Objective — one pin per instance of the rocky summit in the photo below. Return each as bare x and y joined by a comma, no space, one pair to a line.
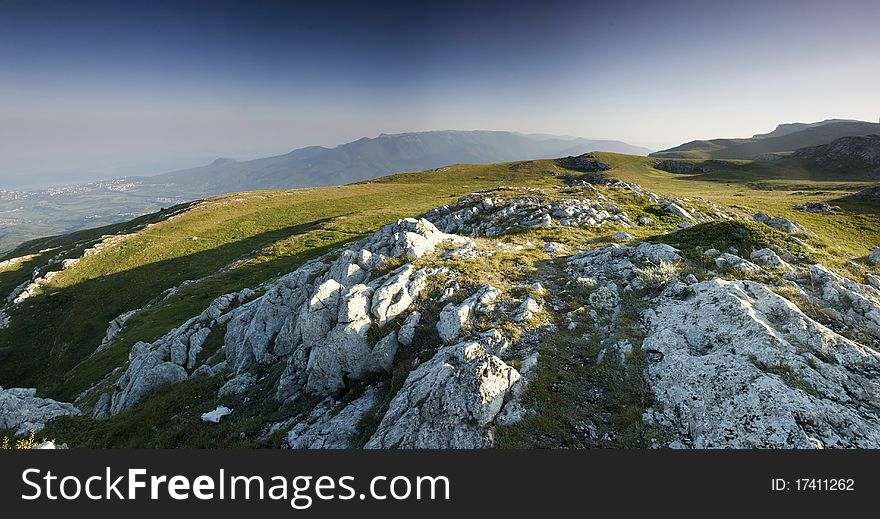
632,318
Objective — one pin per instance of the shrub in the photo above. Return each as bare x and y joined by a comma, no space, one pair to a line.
658,276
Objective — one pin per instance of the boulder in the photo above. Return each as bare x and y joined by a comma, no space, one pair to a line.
768,258
448,401
328,427
679,211
779,222
453,318
23,412
407,331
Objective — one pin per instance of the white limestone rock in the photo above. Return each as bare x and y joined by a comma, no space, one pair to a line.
407,331
735,365
453,318
857,306
768,258
23,412
733,262
449,401
780,222
170,359
679,211
327,427
115,326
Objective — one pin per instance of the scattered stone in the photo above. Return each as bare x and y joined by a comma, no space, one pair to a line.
768,258
817,207
732,262
622,236
237,385
874,257
679,211
554,247
215,415
529,308
407,331
779,222
583,163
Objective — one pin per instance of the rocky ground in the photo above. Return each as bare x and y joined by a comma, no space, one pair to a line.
439,332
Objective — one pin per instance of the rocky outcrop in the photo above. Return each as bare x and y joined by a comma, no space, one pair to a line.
869,194
172,358
328,427
454,318
779,222
735,263
732,364
874,257
853,157
483,214
448,401
618,263
817,207
583,163
115,326
680,166
679,211
316,319
390,344
852,308
22,412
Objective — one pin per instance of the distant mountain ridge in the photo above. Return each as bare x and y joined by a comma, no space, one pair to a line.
785,139
789,128
368,158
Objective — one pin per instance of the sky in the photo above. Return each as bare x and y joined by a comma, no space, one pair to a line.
101,89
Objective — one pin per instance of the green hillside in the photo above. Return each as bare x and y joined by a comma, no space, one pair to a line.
227,243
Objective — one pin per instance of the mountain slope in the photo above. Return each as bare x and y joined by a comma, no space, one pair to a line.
520,315
370,158
844,158
785,139
29,215
789,128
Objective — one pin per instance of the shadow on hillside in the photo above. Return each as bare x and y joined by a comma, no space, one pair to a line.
52,333
84,235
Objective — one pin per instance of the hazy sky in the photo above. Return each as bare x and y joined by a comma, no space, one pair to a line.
100,89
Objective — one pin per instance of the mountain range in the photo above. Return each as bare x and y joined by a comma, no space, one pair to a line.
26,215
785,139
368,158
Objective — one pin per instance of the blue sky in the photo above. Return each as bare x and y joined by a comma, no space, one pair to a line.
100,89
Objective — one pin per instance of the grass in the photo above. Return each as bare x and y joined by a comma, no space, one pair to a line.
243,240
231,242
744,236
582,403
